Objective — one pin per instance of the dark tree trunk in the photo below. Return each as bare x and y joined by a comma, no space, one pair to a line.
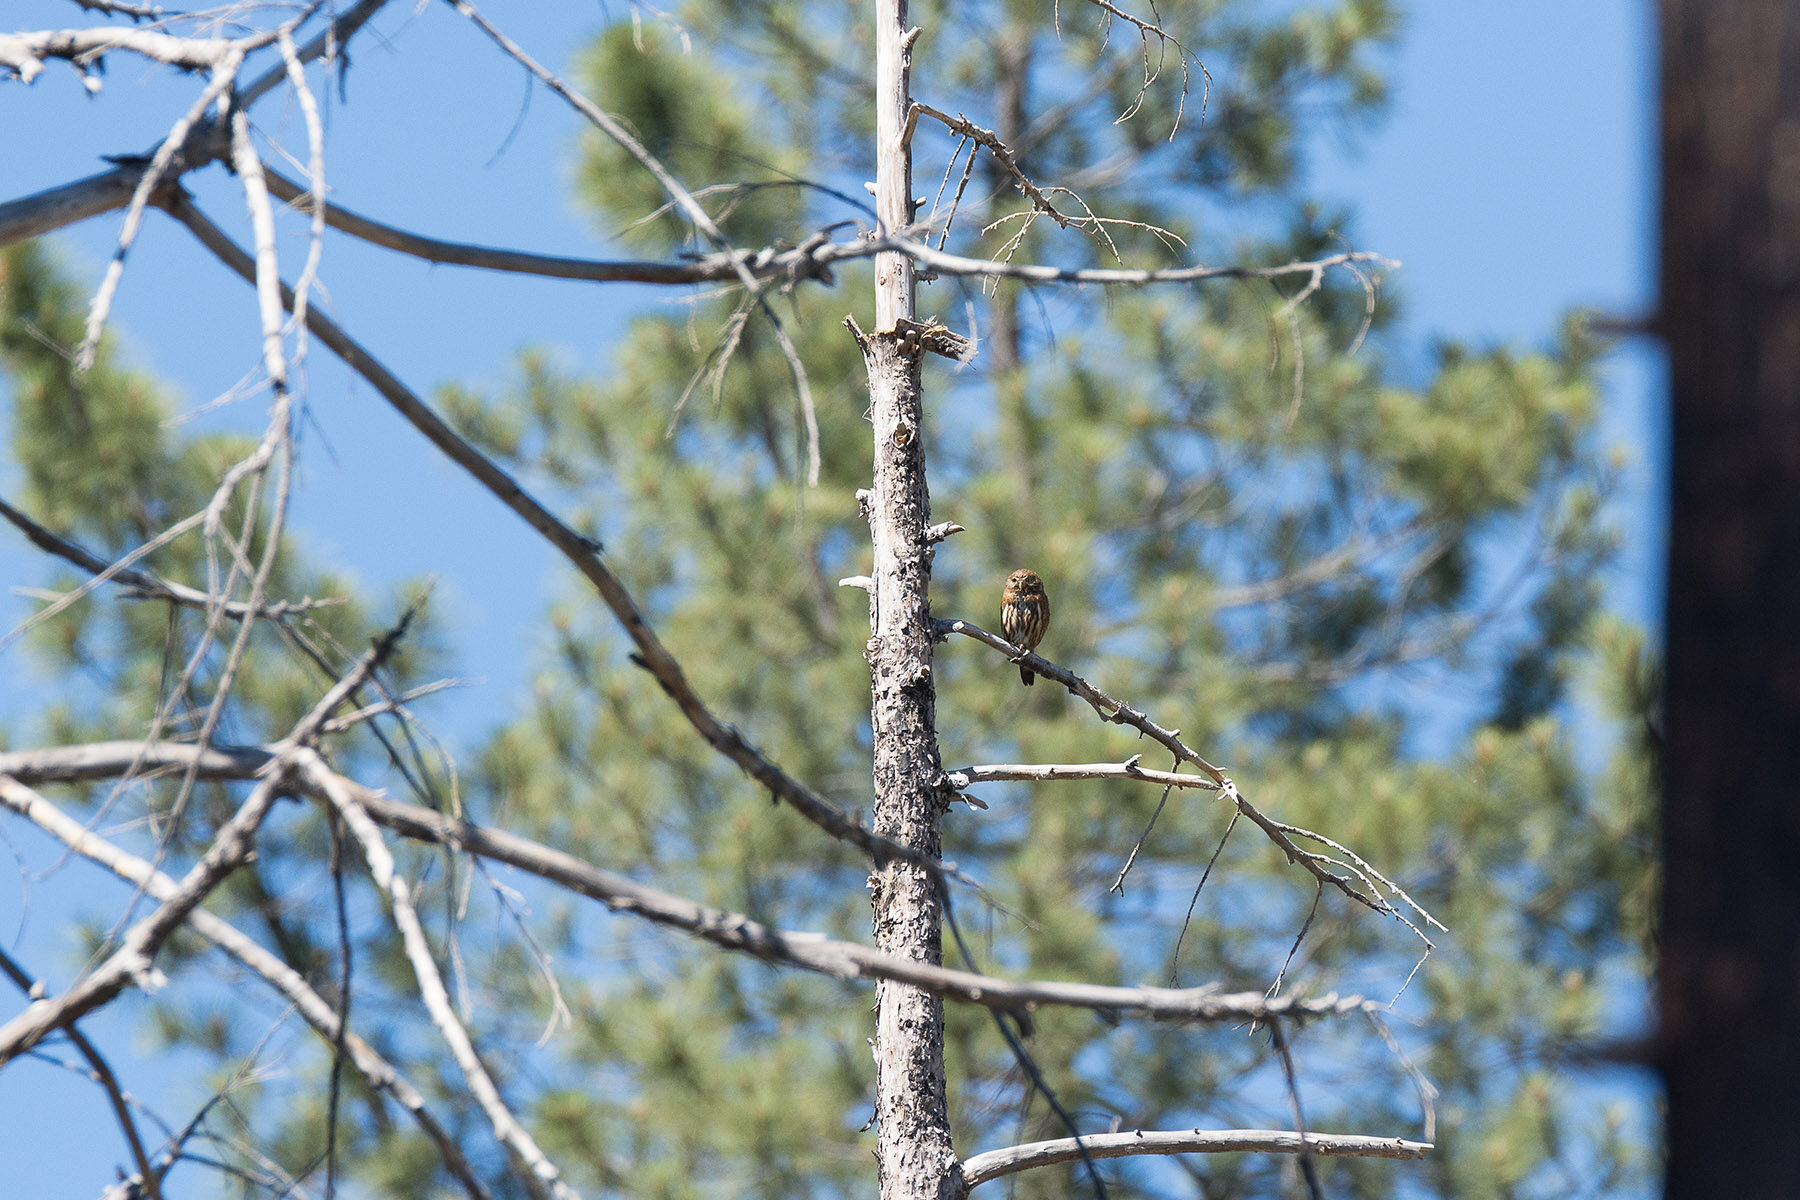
1730,971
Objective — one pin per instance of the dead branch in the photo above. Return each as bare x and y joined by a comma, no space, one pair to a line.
52,209
1119,712
102,1074
24,53
993,1164
1009,162
964,777
507,1128
286,981
764,264
133,962
733,931
329,42
146,584
584,554
684,199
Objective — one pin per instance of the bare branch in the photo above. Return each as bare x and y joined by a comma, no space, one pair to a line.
108,571
1009,163
1121,713
963,777
224,75
994,1164
327,43
137,12
24,53
316,1011
133,961
1309,1170
46,211
733,931
704,269
584,554
103,1075
49,210
247,164
507,1128
143,583
683,198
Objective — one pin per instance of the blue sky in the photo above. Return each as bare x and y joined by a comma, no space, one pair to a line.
1513,177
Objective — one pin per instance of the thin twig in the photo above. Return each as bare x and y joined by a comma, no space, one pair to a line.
1181,935
1308,1169
1118,885
690,207
103,1075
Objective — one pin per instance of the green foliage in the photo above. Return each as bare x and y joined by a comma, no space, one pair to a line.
1297,579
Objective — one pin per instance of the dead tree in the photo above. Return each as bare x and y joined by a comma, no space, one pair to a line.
912,789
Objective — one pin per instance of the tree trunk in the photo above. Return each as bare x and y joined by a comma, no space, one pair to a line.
1730,970
912,1122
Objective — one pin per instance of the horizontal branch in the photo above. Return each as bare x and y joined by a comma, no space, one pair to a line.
710,268
25,53
964,777
52,209
994,1164
731,930
46,211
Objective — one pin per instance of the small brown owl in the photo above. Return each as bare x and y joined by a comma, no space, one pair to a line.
1024,614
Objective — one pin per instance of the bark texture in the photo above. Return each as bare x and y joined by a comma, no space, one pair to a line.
911,1112
1730,970
912,1123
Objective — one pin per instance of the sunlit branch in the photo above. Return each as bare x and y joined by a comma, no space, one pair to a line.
508,1129
584,554
1118,712
312,1007
963,777
994,1164
733,931
133,962
24,53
